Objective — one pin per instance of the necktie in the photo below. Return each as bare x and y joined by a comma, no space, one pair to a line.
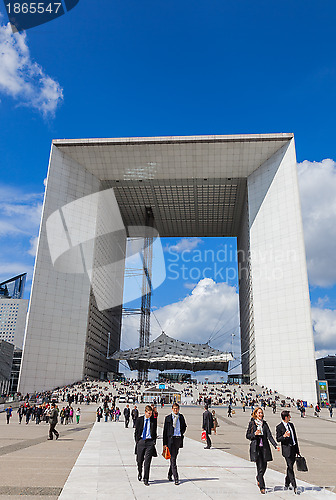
291,433
145,429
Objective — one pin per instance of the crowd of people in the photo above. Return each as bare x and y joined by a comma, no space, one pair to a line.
28,413
63,406
175,425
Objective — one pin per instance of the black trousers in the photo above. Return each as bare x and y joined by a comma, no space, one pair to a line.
52,431
261,469
145,451
174,449
127,421
208,439
290,476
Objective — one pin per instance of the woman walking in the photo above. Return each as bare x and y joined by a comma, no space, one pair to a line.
259,434
215,422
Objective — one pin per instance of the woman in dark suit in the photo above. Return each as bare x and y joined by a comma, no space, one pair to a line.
259,434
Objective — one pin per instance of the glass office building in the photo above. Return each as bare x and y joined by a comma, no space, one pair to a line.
13,310
13,288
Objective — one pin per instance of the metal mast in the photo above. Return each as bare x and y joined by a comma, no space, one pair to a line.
147,259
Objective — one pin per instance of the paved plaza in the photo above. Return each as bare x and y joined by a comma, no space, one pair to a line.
96,461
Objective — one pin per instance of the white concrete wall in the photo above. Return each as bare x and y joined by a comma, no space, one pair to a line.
284,344
57,317
107,273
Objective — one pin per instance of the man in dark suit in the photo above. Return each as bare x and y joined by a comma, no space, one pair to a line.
145,437
207,426
173,434
127,414
286,435
135,414
53,419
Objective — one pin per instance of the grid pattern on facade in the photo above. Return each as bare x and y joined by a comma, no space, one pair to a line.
185,207
8,317
12,320
246,298
173,157
100,323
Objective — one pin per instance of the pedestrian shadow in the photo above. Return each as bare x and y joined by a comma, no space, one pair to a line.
185,480
193,480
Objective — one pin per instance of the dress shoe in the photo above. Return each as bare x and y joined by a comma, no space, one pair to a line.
146,483
262,491
57,437
177,482
207,447
139,477
170,478
296,491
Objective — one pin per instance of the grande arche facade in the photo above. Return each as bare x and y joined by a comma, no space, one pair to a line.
198,186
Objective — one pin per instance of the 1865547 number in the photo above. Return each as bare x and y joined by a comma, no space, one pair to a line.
33,7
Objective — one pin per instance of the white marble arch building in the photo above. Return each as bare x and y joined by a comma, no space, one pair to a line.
242,185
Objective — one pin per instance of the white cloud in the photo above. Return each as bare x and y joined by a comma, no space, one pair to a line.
324,325
317,183
210,307
24,79
190,286
20,214
20,218
33,246
7,228
9,269
185,245
322,301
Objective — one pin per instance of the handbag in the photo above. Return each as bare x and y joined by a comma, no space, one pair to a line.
203,437
301,464
166,453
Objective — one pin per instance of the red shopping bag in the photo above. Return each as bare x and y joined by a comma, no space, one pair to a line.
166,453
203,437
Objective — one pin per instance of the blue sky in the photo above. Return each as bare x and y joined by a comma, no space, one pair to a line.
112,69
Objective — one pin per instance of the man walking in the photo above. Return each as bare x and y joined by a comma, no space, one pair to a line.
127,414
173,434
135,414
20,413
38,414
9,412
145,437
207,426
286,435
53,419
